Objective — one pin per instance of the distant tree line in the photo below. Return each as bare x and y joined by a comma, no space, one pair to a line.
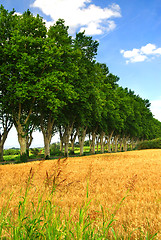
51,82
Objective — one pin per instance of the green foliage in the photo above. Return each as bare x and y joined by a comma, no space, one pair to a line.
12,158
11,151
35,151
50,80
150,144
55,149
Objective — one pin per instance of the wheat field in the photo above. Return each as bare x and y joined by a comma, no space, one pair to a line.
106,178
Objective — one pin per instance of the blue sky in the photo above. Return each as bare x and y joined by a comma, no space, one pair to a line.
129,38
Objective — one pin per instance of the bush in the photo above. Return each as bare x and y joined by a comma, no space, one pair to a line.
150,144
71,152
35,151
12,151
55,149
86,143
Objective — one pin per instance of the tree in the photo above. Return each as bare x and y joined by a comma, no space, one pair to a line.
6,124
21,70
7,21
84,83
109,114
57,88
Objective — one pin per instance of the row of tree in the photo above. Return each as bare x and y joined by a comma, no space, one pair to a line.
52,82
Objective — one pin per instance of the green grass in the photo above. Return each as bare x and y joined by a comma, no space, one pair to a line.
33,153
11,158
16,158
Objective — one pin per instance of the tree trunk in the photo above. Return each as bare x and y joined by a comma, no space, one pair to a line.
47,131
67,133
93,141
102,142
121,141
47,141
97,142
90,145
22,141
109,142
72,139
7,125
22,129
1,152
125,140
3,138
29,139
109,145
61,145
66,153
116,142
132,143
61,140
81,144
112,145
81,137
64,137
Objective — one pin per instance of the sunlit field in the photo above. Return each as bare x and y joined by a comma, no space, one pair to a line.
107,196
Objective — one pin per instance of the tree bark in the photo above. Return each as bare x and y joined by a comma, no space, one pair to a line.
116,142
109,141
81,143
125,140
22,130
93,141
97,142
1,152
47,131
47,141
3,138
112,145
67,133
72,139
121,141
81,137
102,142
90,145
61,139
64,137
61,145
22,142
6,127
29,139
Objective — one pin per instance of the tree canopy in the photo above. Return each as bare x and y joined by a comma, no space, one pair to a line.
50,80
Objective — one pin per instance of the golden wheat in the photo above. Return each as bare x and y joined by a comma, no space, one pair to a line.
110,177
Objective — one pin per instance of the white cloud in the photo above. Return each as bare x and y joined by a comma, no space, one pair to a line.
156,108
18,14
139,58
80,14
158,51
147,52
130,54
92,27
